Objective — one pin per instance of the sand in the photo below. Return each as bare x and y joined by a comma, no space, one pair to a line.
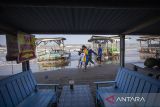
92,74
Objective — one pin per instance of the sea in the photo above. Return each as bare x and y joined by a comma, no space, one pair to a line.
11,67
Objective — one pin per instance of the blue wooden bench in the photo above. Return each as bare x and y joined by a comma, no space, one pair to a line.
126,81
21,90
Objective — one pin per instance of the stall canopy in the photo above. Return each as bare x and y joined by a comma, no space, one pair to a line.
80,17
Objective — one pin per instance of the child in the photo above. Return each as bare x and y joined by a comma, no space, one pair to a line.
81,59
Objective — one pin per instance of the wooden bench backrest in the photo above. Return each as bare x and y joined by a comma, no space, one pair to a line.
133,82
16,88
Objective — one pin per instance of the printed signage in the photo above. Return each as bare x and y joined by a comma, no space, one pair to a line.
26,47
12,47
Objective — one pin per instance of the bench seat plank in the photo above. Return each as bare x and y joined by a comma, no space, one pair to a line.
17,91
12,94
102,90
128,82
21,90
2,101
39,99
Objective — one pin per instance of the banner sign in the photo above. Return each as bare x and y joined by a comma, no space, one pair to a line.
12,47
26,47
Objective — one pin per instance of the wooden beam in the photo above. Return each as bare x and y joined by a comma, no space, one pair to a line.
142,25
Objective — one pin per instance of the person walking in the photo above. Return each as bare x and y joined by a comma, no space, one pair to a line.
81,54
90,52
100,54
85,51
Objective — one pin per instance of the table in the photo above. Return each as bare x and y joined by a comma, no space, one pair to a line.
138,65
80,96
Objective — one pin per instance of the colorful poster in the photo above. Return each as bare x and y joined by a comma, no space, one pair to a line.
26,47
12,47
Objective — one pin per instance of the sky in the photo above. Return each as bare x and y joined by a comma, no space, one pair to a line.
70,39
2,39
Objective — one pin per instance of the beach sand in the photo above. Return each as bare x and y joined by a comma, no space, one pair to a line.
92,74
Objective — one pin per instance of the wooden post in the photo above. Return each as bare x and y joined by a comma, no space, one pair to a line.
25,66
122,50
28,65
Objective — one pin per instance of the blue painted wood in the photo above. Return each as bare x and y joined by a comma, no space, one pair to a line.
135,85
33,79
39,99
154,89
118,74
127,84
21,87
28,84
121,79
124,80
147,87
131,84
118,77
31,83
17,91
6,96
25,86
2,103
12,94
129,81
140,86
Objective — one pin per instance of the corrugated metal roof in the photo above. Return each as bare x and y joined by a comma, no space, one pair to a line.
80,20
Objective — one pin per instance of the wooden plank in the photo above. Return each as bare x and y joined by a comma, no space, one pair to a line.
127,84
2,103
6,96
25,85
31,82
135,85
12,94
154,89
124,80
146,90
131,84
28,84
118,74
121,79
17,91
22,90
32,77
140,86
147,87
40,99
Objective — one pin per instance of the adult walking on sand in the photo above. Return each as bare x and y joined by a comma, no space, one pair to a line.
100,54
90,52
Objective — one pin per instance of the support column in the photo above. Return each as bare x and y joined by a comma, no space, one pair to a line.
25,66
122,50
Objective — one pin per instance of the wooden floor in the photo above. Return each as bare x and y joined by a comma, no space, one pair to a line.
80,96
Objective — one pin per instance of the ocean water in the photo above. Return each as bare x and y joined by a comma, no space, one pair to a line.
11,67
